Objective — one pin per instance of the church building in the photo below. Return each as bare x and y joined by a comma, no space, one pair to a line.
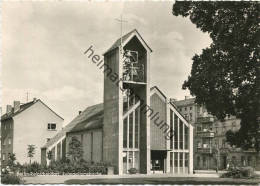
136,126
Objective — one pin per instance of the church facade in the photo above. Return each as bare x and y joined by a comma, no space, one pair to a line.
136,126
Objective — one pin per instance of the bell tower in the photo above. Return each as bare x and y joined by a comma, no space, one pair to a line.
126,130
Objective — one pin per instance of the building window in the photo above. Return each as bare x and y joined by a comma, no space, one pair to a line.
186,165
204,161
176,131
223,143
186,136
171,162
181,134
171,129
3,157
198,161
51,126
249,161
131,130
243,161
181,161
176,162
136,128
190,108
125,133
9,141
185,108
190,116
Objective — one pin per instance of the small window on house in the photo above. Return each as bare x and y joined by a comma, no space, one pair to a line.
51,126
198,128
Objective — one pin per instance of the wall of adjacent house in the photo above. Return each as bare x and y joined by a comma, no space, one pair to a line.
7,139
31,128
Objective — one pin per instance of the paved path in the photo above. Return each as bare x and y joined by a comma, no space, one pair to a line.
61,179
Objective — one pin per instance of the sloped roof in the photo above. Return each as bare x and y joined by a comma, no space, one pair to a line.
117,43
184,102
88,113
91,118
93,122
23,107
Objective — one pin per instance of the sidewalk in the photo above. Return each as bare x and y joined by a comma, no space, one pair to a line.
52,179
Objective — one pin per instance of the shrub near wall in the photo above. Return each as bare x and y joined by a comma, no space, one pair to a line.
11,179
66,167
240,172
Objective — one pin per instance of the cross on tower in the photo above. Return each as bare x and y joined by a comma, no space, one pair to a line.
121,21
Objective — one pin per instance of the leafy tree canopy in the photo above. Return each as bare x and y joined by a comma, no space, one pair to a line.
225,76
75,149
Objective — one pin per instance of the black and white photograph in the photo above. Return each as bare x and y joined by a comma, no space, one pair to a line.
130,92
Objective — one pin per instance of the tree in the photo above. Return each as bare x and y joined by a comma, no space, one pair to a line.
225,76
75,149
49,155
11,161
31,151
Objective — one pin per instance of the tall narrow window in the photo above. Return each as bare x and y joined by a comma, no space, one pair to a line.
181,134
136,127
175,131
171,129
171,162
125,133
181,162
186,162
131,130
176,162
186,133
92,146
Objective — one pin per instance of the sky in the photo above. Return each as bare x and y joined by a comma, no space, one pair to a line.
43,44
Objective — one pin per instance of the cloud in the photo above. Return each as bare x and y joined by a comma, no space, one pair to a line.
43,45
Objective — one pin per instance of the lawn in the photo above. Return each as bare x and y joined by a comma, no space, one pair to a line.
167,180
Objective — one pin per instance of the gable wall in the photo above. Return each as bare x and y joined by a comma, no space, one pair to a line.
158,141
30,127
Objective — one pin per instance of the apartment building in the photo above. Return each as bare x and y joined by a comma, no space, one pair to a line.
210,146
31,123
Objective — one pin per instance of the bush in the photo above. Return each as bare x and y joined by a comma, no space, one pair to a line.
11,179
64,166
132,171
241,172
